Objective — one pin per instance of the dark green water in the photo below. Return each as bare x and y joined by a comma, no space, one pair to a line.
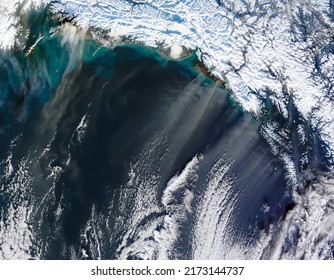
91,136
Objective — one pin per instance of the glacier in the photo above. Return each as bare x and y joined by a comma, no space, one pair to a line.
275,52
258,48
284,47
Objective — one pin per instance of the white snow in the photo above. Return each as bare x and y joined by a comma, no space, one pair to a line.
176,51
7,21
246,44
249,45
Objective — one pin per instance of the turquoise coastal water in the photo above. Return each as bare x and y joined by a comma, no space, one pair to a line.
102,146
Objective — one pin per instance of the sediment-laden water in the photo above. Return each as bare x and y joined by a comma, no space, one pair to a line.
122,153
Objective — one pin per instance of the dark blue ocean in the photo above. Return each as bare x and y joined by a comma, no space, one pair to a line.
122,153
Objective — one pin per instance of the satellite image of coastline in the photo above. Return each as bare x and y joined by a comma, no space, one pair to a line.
167,129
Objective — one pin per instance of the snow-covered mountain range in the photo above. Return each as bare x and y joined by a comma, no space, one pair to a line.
277,54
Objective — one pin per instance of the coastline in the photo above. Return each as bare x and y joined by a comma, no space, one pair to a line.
166,51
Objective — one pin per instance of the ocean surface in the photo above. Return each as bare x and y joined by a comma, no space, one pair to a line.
122,153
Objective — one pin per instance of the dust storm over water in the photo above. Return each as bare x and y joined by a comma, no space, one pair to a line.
121,153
